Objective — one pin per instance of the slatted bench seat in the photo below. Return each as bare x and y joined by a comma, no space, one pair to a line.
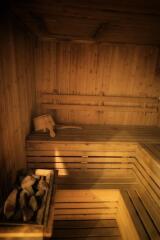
143,201
117,158
144,213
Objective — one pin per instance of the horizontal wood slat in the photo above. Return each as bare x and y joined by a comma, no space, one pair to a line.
99,134
95,238
103,103
61,153
87,211
145,218
86,224
102,205
82,159
86,196
138,101
153,210
84,205
75,217
111,108
134,215
73,233
82,146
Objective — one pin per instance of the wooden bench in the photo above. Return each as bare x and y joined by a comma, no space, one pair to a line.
123,159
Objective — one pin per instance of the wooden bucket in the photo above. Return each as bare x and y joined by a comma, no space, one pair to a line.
44,123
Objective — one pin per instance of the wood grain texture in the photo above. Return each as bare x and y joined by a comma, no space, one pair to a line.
70,6
92,20
86,214
98,134
17,94
124,187
97,70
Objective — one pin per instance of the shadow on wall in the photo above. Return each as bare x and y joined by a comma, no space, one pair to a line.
6,180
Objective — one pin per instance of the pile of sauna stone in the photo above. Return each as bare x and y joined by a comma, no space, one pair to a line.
26,202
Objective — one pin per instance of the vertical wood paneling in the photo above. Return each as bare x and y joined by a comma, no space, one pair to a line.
98,69
17,98
45,63
157,81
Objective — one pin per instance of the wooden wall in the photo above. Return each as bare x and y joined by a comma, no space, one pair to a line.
98,69
28,68
17,97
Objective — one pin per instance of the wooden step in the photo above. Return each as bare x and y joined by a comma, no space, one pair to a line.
86,204
144,216
87,229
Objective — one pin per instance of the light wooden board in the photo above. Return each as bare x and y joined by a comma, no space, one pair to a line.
134,215
101,133
73,204
153,210
17,97
85,196
97,70
152,231
73,233
86,224
126,225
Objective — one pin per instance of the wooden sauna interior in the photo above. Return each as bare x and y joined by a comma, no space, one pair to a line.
93,64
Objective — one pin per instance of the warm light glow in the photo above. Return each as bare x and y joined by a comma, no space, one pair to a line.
60,165
23,231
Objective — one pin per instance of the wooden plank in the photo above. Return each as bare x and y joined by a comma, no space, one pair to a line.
82,165
89,205
153,149
85,224
73,233
152,231
81,107
111,128
125,222
148,157
135,218
48,228
48,97
153,210
85,211
147,178
147,186
113,173
96,238
85,217
98,133
39,153
101,180
97,146
101,134
105,186
86,196
81,159
147,173
90,172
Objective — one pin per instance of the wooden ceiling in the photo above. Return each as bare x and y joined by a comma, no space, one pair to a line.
132,21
